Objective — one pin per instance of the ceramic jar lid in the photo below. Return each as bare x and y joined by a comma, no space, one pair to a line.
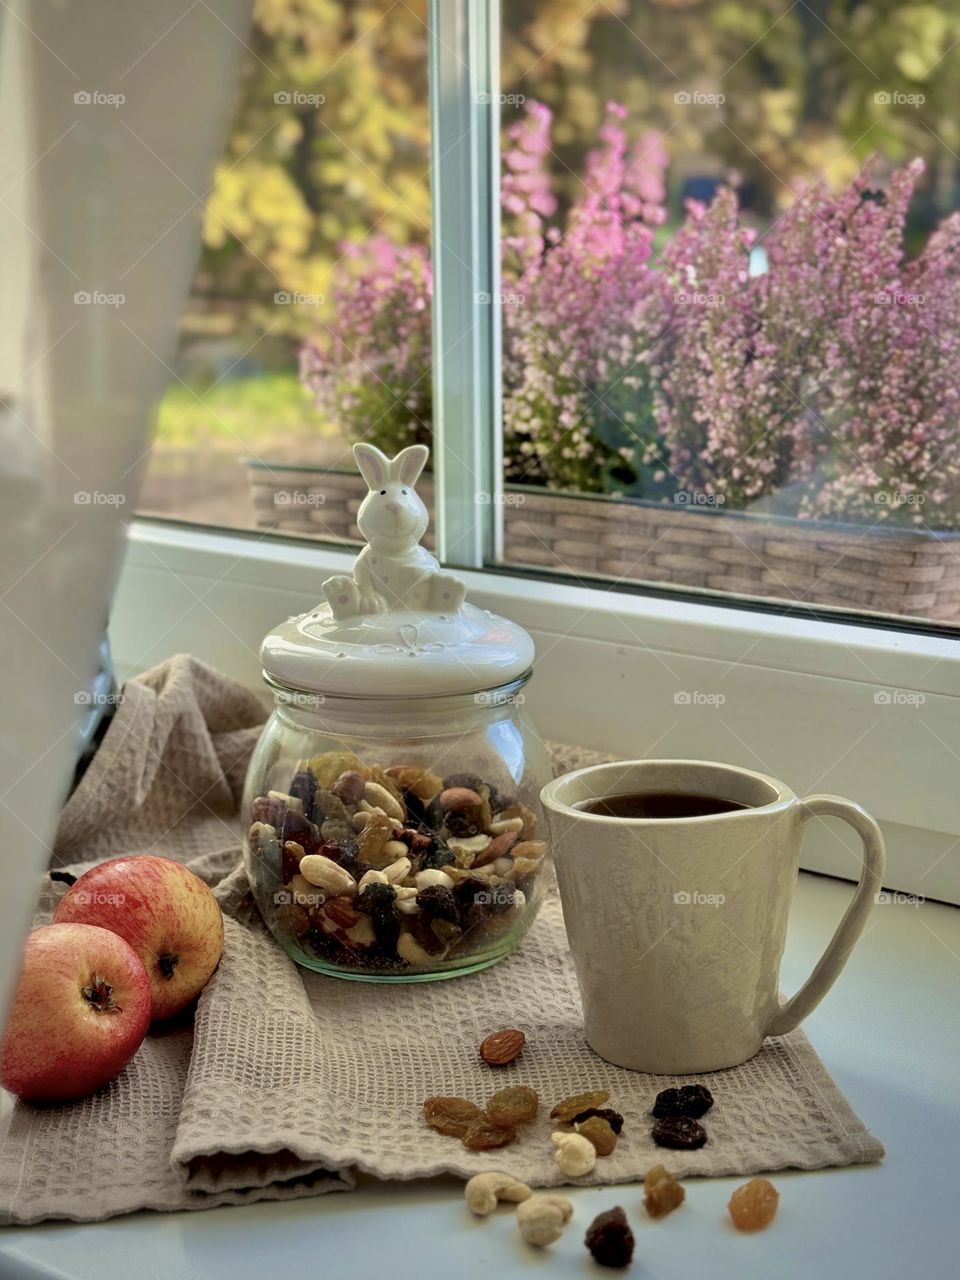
398,626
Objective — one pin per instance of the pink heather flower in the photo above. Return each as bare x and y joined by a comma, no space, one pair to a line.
827,386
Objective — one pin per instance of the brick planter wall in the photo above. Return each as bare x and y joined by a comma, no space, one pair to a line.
888,570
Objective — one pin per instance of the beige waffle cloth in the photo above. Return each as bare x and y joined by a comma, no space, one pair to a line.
285,1083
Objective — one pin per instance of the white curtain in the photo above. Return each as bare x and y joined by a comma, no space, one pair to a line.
112,116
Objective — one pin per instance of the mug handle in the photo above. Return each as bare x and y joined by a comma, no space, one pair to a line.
828,968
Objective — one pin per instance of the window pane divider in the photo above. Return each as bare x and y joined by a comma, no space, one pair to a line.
465,167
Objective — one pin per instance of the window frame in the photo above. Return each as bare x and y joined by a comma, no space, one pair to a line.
800,692
799,678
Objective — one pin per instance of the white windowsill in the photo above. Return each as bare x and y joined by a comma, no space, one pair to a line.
887,1035
799,695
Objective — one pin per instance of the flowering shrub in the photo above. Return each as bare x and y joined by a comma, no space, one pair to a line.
371,372
591,305
826,385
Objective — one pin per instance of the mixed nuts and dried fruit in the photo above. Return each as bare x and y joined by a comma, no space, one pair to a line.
542,1217
395,869
589,1130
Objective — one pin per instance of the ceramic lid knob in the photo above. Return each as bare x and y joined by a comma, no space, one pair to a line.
398,625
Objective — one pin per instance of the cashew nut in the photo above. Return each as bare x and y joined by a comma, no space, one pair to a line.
410,950
293,803
380,797
432,876
400,869
575,1154
501,825
325,874
484,1190
542,1218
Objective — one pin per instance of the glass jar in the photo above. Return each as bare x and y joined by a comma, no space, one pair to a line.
393,828
448,881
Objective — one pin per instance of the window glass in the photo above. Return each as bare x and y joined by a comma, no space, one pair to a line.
309,322
730,297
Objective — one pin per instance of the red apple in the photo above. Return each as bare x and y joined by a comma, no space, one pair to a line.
166,913
80,1011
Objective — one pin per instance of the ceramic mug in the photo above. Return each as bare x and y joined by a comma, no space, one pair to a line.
677,925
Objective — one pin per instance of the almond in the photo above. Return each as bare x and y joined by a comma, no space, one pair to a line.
341,912
458,798
497,848
502,1047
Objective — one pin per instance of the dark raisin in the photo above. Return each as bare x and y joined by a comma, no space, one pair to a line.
376,897
666,1103
436,900
470,894
437,856
297,827
435,814
500,898
613,1118
414,807
610,1239
693,1100
680,1132
472,781
304,787
377,900
417,841
464,823
344,854
324,944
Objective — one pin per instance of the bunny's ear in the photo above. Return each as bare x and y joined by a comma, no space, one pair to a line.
374,465
408,464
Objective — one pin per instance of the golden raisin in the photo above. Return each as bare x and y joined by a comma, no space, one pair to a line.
452,1116
566,1109
514,1105
484,1135
599,1132
754,1205
662,1192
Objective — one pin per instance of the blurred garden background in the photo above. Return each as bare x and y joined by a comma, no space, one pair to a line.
317,225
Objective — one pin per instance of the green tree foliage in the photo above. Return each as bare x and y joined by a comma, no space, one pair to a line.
803,86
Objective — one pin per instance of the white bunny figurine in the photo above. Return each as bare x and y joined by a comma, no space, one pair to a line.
393,571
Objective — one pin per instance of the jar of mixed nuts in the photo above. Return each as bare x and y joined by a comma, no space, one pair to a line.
393,825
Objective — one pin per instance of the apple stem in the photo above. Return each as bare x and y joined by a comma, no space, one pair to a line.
63,877
167,963
99,994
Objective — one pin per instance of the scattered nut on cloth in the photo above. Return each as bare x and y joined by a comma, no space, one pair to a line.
543,1218
484,1191
574,1154
286,1083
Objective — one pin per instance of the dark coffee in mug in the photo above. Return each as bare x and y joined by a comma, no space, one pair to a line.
677,928
659,804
